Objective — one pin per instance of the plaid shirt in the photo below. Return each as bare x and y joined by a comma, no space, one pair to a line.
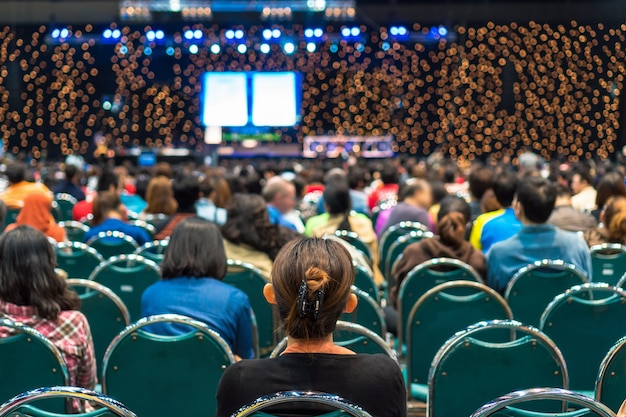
69,332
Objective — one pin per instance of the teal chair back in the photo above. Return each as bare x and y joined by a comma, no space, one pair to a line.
11,216
75,231
21,405
585,322
425,277
140,368
77,259
397,248
391,234
112,243
612,376
469,371
251,281
438,315
28,360
65,204
367,313
148,227
155,251
534,287
364,281
353,239
515,403
354,337
608,262
308,399
106,313
127,276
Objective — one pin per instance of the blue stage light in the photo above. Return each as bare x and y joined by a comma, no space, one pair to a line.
308,33
345,32
242,48
289,47
355,31
160,34
311,47
193,49
230,34
115,34
264,48
267,34
150,35
239,34
147,50
385,46
318,33
276,33
443,31
188,34
64,33
106,34
197,34
169,51
215,49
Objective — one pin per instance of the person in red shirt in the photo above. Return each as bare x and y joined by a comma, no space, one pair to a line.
389,190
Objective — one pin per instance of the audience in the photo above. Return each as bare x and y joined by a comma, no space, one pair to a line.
311,282
186,190
416,199
191,285
160,200
214,190
33,294
480,180
496,226
108,181
536,240
611,185
13,197
70,184
566,217
280,196
613,230
36,214
584,198
388,191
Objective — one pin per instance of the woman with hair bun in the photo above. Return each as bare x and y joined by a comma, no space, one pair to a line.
613,218
311,281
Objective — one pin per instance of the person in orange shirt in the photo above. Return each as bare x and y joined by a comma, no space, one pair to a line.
36,213
18,187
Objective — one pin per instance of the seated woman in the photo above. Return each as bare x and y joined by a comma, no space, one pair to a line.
311,282
452,219
613,229
250,236
192,271
108,213
339,216
160,200
36,213
33,294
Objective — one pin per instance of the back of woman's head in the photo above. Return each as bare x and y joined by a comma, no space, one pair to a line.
337,196
105,203
312,279
160,197
27,276
195,250
452,219
611,185
615,219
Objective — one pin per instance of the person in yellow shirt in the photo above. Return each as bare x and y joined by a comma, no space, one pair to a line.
13,197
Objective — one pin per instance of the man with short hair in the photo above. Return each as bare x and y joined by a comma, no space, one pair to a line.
566,217
536,240
417,198
70,184
480,180
280,196
499,225
13,197
584,198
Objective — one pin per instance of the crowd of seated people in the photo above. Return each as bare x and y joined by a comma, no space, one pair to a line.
495,218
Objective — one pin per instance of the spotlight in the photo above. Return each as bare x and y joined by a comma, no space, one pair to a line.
147,50
239,34
264,48
308,33
345,32
230,34
106,34
276,33
197,34
115,34
355,31
311,47
318,33
150,35
160,34
402,31
267,34
188,34
169,51
123,49
443,31
193,49
242,48
64,33
215,49
56,33
385,46
334,48
289,47
106,105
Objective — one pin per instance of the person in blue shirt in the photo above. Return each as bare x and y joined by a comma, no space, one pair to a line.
191,285
536,240
69,185
280,196
108,213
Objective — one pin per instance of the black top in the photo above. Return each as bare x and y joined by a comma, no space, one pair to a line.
373,382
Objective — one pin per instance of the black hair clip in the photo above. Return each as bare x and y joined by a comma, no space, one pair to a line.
304,306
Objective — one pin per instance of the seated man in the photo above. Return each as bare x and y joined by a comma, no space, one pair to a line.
19,188
566,217
536,240
280,196
70,184
584,198
416,198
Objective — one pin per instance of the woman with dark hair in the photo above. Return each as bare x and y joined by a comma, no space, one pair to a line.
33,294
613,229
611,185
192,273
311,282
250,236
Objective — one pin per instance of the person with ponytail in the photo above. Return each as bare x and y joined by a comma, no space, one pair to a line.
339,216
613,229
452,220
311,281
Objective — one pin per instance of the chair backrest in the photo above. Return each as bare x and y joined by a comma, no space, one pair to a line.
65,203
441,313
11,216
28,360
148,227
367,313
351,336
307,398
585,322
364,281
127,276
20,405
77,259
105,311
251,281
75,231
534,287
425,277
140,367
397,248
612,376
608,262
511,404
113,243
391,234
353,239
155,251
469,371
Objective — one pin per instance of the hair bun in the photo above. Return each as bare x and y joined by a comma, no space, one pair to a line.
316,279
